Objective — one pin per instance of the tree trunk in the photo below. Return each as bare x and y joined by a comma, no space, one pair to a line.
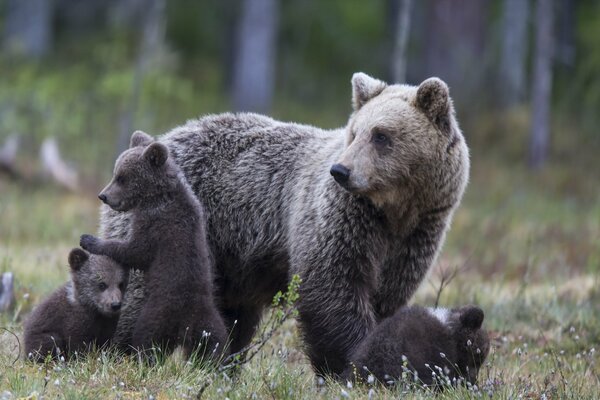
254,69
400,41
515,14
455,45
28,27
150,48
542,85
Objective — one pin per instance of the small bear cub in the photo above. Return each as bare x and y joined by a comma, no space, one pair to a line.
167,240
81,314
436,347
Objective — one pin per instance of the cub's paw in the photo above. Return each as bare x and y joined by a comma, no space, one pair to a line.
89,243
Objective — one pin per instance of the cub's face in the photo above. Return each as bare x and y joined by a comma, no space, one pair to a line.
395,137
473,343
98,282
139,174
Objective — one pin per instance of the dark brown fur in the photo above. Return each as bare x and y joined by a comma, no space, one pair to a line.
80,314
415,342
168,241
361,247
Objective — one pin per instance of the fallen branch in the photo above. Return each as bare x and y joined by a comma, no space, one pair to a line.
55,167
8,156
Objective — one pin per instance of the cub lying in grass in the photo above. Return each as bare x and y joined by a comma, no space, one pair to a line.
433,347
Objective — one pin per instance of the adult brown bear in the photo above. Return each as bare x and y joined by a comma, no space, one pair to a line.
361,241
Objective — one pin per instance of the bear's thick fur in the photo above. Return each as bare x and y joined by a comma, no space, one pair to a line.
431,346
82,313
360,246
168,241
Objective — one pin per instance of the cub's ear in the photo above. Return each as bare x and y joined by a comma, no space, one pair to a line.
139,138
471,317
364,88
77,257
433,99
156,154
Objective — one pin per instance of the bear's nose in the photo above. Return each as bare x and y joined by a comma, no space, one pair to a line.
115,306
340,173
102,197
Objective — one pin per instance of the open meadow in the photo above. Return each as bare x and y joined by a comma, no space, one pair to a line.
524,247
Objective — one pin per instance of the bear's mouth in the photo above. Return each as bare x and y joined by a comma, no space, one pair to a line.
118,206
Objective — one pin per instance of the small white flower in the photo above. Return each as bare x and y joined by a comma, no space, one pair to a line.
57,382
349,384
478,351
469,343
370,379
572,329
25,295
122,384
442,355
345,394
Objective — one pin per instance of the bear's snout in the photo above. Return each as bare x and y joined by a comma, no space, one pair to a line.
102,197
340,173
116,306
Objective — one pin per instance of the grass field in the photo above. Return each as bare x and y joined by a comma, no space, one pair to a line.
527,249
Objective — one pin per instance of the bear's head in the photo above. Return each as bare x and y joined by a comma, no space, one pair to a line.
98,282
143,175
401,142
472,341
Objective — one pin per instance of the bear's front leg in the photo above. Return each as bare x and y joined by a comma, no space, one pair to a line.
132,254
335,316
90,243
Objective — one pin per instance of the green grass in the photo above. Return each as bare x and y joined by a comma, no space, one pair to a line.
527,249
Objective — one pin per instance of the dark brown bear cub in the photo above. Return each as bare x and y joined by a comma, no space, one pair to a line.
168,241
434,347
80,314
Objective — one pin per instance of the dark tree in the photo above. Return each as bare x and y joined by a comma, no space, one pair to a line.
254,68
401,32
513,59
28,27
541,89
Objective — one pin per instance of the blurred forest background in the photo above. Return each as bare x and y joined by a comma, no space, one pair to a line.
77,77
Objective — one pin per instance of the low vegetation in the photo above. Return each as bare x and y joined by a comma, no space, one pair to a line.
523,248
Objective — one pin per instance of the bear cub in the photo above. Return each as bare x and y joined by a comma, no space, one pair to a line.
167,240
82,313
435,347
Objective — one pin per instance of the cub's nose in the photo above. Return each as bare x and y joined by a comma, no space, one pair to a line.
102,197
115,306
340,173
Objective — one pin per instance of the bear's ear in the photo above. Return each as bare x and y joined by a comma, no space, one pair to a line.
433,99
364,88
77,257
139,138
471,317
156,154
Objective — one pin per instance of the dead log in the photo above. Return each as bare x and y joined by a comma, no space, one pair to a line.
55,167
7,294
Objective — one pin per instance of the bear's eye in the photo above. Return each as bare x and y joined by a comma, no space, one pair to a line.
102,286
380,138
120,179
121,286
